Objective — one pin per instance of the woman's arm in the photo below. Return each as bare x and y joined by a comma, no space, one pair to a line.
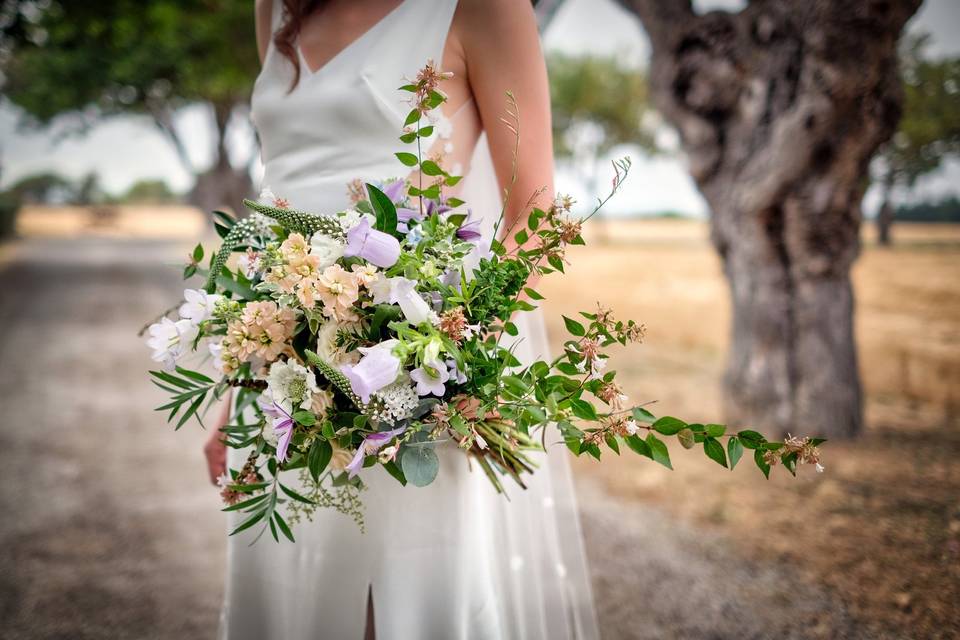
263,14
501,49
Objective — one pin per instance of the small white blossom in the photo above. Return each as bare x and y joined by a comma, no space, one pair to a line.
170,340
199,305
351,218
328,249
631,427
399,400
291,385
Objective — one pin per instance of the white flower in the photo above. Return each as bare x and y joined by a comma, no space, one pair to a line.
267,196
351,218
169,340
819,468
597,365
198,306
631,427
216,350
291,385
402,291
399,400
328,249
327,343
249,263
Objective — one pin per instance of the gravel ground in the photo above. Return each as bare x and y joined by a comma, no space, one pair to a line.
109,529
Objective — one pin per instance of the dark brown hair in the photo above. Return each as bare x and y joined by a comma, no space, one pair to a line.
294,13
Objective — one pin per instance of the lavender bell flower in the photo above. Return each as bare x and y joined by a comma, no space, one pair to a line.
436,206
394,190
377,368
455,374
376,247
370,445
470,230
282,425
430,378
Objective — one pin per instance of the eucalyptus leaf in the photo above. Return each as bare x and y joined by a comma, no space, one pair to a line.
420,465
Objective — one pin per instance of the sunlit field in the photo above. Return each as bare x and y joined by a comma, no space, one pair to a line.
887,501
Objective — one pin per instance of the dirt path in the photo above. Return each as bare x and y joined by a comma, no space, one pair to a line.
108,529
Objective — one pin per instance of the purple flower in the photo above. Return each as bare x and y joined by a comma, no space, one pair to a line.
282,425
436,206
376,247
394,190
470,229
378,368
404,216
370,445
458,376
430,378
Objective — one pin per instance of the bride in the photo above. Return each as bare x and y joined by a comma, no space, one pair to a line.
453,560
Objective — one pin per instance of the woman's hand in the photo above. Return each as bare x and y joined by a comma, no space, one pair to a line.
214,449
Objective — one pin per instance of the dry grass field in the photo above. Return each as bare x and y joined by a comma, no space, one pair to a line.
878,532
881,527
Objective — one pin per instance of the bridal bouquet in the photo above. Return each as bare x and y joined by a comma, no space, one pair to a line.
370,336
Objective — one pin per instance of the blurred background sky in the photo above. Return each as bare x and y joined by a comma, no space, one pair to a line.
126,149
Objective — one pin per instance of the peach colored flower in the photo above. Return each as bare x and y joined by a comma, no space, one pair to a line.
338,290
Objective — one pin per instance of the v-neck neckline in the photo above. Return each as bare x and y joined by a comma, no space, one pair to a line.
312,72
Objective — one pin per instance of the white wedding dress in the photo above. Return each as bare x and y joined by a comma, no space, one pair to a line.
454,560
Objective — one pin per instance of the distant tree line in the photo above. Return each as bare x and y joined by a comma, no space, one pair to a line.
946,210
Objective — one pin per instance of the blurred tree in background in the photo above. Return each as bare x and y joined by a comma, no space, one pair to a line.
779,108
598,103
94,60
929,130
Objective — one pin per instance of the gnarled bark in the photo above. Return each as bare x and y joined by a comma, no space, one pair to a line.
780,108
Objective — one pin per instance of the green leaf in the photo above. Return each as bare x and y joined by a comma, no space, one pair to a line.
426,132
407,159
384,209
534,295
283,526
715,430
305,418
408,137
412,117
714,451
249,522
642,415
574,327
246,503
453,203
751,439
658,450
294,495
583,409
198,253
612,443
420,464
638,445
686,438
669,426
395,471
734,450
510,329
430,168
761,463
521,236
318,458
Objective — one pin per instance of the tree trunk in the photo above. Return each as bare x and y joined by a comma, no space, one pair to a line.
886,213
222,186
780,108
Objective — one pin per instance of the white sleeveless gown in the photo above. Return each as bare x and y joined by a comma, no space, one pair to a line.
454,560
